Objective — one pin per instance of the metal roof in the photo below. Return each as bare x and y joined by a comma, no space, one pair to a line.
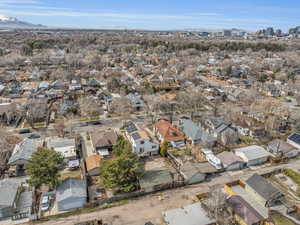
8,192
24,150
192,214
253,152
71,188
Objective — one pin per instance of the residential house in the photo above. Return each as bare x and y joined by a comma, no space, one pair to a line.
230,161
191,131
253,155
22,153
103,142
165,131
294,140
71,194
281,148
243,212
271,90
192,214
136,101
92,164
263,191
142,143
75,84
65,146
224,132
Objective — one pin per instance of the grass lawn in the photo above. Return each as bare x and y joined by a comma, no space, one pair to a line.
281,220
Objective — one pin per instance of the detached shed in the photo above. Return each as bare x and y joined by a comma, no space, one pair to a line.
71,194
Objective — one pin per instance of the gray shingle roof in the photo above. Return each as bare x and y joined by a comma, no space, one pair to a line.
229,158
24,150
278,145
244,210
264,188
71,188
191,130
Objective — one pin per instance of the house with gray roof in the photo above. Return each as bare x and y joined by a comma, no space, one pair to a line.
191,130
135,100
243,211
196,134
281,148
253,155
263,191
223,131
22,153
71,194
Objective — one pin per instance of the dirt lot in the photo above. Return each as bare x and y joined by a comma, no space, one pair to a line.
138,212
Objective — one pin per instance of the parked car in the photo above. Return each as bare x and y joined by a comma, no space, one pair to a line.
45,203
95,122
34,136
83,124
24,131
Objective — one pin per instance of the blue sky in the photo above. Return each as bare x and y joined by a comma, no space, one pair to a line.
157,14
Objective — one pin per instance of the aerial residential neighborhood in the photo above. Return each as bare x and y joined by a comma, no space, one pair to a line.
114,126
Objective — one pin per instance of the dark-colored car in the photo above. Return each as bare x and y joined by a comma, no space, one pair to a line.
34,136
95,122
24,131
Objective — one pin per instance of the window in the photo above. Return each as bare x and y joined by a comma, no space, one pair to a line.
153,146
142,142
142,150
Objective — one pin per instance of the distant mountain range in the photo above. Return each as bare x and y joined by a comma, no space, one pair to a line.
14,23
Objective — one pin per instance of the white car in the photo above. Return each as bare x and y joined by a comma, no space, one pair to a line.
45,203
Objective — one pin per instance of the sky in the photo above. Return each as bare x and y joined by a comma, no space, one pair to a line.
156,14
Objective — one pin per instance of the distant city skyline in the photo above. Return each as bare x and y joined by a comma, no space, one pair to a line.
157,14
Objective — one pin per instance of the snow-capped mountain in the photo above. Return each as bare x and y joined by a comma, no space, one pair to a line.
13,23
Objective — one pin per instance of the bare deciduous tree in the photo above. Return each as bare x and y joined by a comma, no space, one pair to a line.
36,111
90,107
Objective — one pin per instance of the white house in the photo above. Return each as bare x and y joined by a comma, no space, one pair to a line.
253,155
142,143
66,147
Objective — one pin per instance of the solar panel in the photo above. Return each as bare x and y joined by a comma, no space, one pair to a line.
295,138
131,128
135,136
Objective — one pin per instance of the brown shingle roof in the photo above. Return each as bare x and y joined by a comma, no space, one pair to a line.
104,139
92,162
244,210
168,131
229,158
